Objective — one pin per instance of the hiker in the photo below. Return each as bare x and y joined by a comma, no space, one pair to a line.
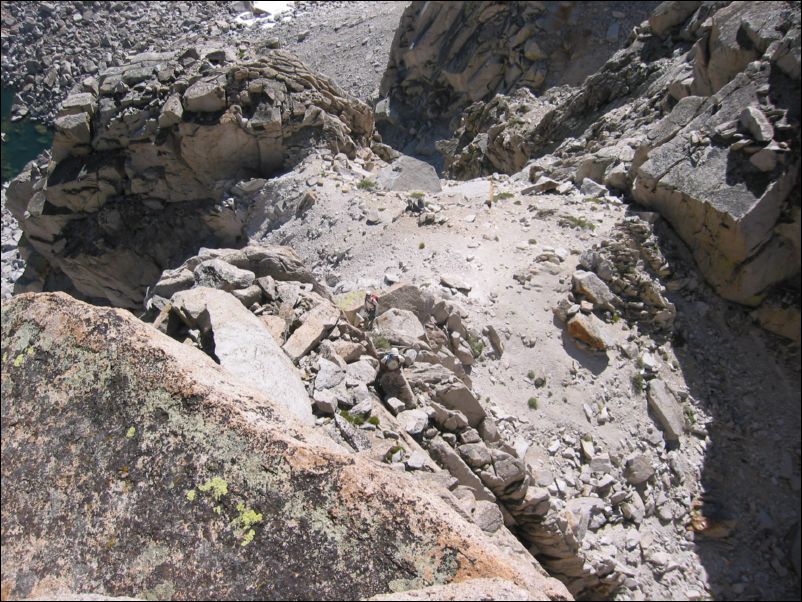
368,311
392,360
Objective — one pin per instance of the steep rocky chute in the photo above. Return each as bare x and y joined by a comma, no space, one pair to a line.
448,55
172,476
151,161
697,117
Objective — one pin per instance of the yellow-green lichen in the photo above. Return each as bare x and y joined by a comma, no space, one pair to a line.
191,495
131,432
216,485
18,360
247,518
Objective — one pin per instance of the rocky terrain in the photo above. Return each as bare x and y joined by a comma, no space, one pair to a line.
594,284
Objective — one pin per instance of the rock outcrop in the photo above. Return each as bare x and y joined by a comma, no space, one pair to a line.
134,466
448,55
169,153
696,117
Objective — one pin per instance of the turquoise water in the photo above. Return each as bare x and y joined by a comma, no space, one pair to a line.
24,140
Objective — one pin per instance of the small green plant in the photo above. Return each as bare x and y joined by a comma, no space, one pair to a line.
388,457
545,212
540,382
638,382
421,245
380,342
616,317
417,195
532,403
476,344
354,419
577,222
366,184
530,375
690,415
501,196
374,420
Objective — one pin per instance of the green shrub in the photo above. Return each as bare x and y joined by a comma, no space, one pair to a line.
374,420
638,382
366,184
476,344
380,342
421,245
530,375
417,195
577,222
532,403
502,196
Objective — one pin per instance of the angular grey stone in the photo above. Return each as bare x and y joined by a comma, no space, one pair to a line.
594,288
325,401
362,371
753,119
244,347
414,421
171,112
395,405
638,469
216,273
400,326
329,375
205,97
457,396
666,409
173,281
408,297
455,282
248,296
408,174
475,455
448,420
442,453
487,516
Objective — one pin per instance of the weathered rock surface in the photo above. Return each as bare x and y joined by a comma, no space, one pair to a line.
244,346
448,55
121,419
124,197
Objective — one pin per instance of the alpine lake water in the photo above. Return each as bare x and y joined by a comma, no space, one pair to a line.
23,140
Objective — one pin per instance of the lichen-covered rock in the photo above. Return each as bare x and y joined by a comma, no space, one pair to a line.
132,465
146,168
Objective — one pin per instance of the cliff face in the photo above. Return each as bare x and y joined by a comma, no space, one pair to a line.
146,162
696,117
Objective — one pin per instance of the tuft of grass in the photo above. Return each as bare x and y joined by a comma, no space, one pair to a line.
393,451
638,382
577,222
503,196
353,419
380,342
476,344
366,184
417,195
374,420
421,245
545,212
532,403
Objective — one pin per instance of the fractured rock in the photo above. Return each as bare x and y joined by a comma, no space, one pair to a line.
666,409
244,347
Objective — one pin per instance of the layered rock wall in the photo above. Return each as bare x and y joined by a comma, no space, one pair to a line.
146,160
